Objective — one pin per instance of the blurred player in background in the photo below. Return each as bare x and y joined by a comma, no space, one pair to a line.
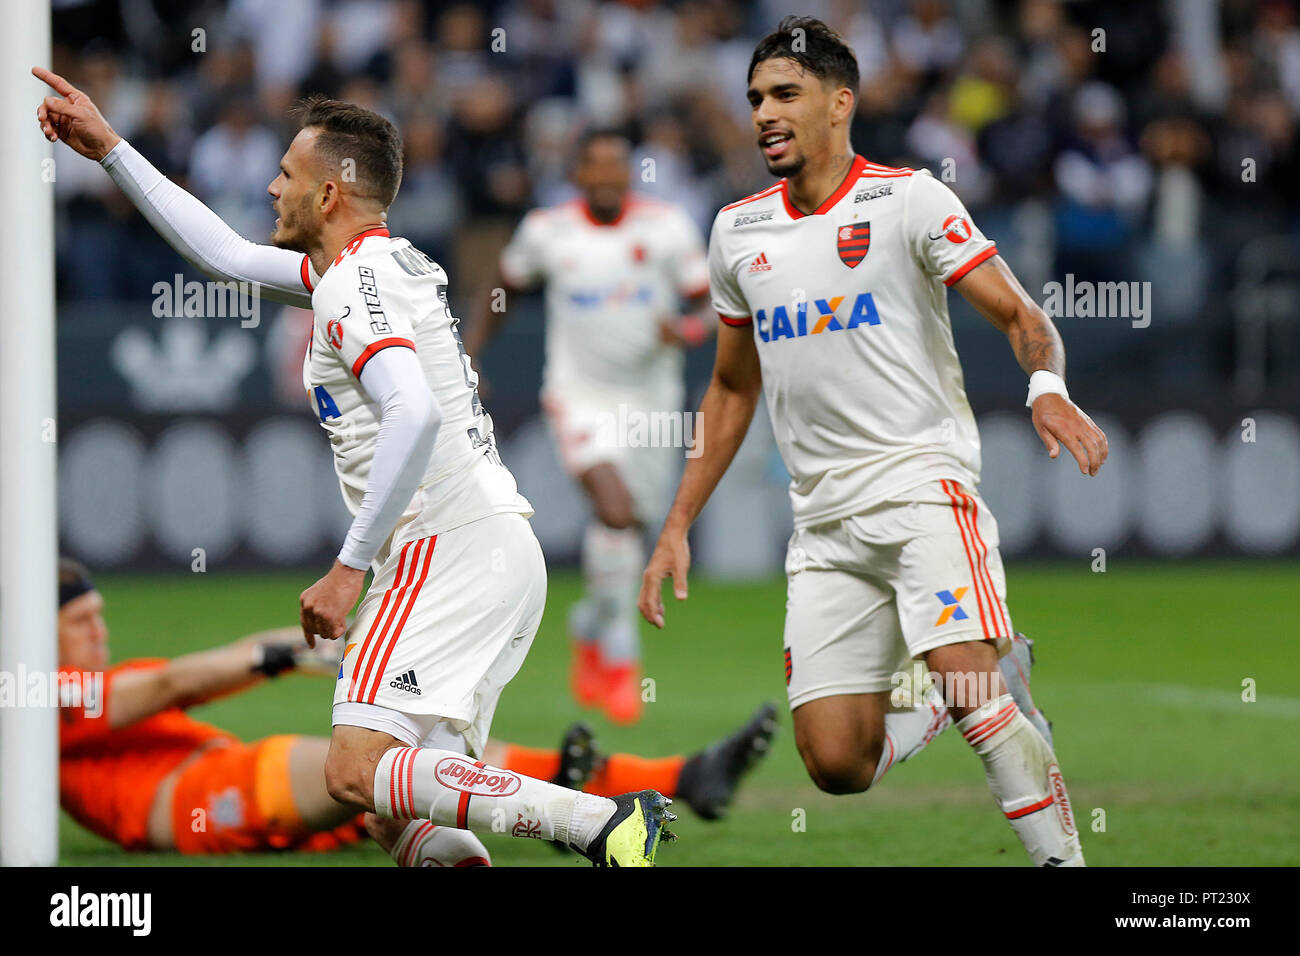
623,275
136,769
831,287
459,579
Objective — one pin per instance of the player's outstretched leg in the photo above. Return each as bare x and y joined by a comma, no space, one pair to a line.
708,779
454,790
578,765
1016,668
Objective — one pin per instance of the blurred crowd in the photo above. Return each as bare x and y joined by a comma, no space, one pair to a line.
1111,139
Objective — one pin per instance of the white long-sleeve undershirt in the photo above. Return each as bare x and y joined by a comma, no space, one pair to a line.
201,236
408,429
392,377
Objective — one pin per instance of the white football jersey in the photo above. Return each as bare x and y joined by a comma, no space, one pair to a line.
850,316
607,287
381,293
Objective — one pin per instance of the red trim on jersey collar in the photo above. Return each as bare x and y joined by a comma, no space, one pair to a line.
355,242
758,195
586,211
856,169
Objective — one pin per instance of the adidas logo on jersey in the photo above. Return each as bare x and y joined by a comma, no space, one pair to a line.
406,682
760,264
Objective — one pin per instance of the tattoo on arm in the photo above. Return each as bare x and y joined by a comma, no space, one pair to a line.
1037,344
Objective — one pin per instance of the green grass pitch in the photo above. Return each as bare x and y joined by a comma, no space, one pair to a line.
1141,668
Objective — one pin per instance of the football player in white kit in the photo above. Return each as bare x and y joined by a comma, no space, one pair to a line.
832,289
459,579
619,270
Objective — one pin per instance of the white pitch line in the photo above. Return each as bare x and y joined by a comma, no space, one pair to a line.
1228,702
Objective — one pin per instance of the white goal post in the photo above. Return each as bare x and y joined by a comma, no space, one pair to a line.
29,768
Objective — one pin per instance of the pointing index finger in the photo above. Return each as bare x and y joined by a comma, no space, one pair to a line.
60,85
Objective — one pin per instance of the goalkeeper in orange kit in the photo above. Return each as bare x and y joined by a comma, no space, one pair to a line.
135,768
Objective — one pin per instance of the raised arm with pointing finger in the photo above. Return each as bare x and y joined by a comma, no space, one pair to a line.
397,393
190,227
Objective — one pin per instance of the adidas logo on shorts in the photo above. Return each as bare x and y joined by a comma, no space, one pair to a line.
406,682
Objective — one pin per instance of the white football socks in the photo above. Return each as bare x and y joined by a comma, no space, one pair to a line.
612,561
907,732
1025,780
454,790
425,844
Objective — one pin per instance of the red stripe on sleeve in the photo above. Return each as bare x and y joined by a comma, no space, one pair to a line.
378,346
306,272
971,263
736,321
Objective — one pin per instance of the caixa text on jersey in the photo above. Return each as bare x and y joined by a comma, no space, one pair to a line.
782,326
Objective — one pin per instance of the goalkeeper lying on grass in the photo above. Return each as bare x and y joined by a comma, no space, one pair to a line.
138,770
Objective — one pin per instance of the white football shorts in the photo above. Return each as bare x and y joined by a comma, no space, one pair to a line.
445,625
644,435
868,593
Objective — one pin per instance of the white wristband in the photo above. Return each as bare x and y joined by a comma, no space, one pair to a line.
1044,382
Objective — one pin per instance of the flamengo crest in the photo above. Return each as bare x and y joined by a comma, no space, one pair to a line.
852,242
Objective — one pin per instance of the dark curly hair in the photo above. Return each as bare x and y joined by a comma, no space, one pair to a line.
814,46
